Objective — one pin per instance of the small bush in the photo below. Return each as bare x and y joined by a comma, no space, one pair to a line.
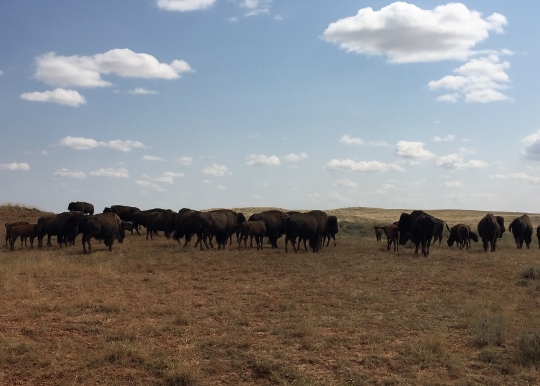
531,273
490,330
529,348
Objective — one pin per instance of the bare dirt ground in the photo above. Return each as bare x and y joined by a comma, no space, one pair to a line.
154,313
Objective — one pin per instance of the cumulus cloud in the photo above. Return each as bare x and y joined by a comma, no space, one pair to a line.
345,183
456,161
448,138
184,5
110,172
255,7
69,174
147,157
59,96
405,33
453,184
216,170
150,185
142,91
362,166
480,80
295,157
15,166
81,143
261,159
348,140
86,71
532,146
413,151
185,160
386,189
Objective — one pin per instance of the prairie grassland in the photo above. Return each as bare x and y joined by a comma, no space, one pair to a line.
154,313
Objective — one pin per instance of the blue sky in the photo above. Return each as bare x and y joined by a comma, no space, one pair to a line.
299,105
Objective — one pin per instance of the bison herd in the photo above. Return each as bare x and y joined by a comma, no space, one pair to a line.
218,225
424,230
313,228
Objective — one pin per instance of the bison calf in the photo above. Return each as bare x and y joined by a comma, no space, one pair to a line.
255,229
392,235
23,231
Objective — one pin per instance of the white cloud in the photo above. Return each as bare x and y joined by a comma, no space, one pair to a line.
215,170
150,185
498,177
86,71
261,159
110,172
386,189
184,5
295,157
448,138
15,166
60,96
453,184
480,80
348,140
456,161
255,7
81,143
525,177
147,157
532,146
69,173
405,33
362,166
413,151
185,160
142,91
345,183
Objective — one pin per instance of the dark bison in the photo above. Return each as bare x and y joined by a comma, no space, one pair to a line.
219,223
274,221
330,230
125,213
63,225
439,229
9,226
81,206
461,234
490,228
538,235
392,236
522,230
419,227
103,226
141,217
304,226
160,221
23,231
254,229
378,233
186,226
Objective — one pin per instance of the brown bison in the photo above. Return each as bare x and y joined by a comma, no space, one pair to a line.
186,226
490,228
81,206
461,234
254,229
23,231
63,225
419,227
330,230
160,221
219,223
274,221
304,226
522,230
439,229
9,226
538,235
378,233
125,213
392,236
103,226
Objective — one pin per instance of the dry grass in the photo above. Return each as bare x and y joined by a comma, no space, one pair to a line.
154,313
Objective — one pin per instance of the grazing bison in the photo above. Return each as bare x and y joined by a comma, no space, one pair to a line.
103,226
522,230
81,206
9,226
274,221
304,226
330,230
186,226
160,221
439,229
63,225
254,229
141,217
23,231
125,213
490,228
392,236
378,233
419,227
221,223
461,234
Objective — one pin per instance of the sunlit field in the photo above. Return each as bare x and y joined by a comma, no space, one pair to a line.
155,313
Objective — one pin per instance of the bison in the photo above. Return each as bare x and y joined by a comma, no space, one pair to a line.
419,227
254,229
81,206
63,225
490,228
304,226
274,221
439,229
522,230
9,226
392,236
221,223
125,213
330,230
23,231
103,226
461,234
186,226
378,233
160,221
